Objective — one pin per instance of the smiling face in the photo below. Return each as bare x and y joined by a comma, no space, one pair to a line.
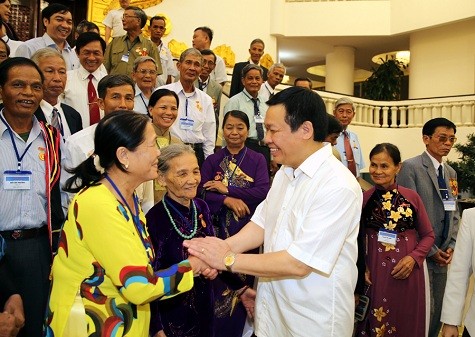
252,82
235,132
54,71
5,11
145,76
440,143
22,92
182,178
91,56
165,112
59,26
382,169
143,161
280,138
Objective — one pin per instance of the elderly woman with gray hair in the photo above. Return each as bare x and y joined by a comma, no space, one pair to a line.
144,75
178,217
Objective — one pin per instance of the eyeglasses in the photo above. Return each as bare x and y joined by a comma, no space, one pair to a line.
444,139
147,71
129,16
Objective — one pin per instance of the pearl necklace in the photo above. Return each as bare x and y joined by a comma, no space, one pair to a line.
194,219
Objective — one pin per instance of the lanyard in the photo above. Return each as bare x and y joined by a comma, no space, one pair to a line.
145,104
135,217
18,157
137,40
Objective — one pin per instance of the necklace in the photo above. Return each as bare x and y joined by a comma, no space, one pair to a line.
194,218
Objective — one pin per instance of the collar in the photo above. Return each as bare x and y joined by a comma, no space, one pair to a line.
84,74
35,130
50,43
310,165
48,108
179,86
434,161
268,87
126,37
249,96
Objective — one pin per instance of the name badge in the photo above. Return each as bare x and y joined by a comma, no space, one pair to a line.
125,58
17,180
186,124
449,205
258,119
387,236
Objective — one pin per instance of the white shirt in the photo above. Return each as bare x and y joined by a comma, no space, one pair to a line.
265,91
75,93
168,66
80,146
313,213
12,44
219,73
140,101
28,48
198,107
355,145
48,112
460,270
113,20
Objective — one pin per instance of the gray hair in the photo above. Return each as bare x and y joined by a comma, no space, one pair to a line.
170,152
45,53
250,67
277,65
257,41
191,51
142,59
140,14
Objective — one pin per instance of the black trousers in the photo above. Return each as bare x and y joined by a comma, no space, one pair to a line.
26,264
465,333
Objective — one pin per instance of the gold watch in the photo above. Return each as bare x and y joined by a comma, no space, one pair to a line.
229,260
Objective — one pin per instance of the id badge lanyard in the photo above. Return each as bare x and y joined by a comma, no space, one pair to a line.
19,158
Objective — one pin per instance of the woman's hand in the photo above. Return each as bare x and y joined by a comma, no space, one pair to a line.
161,333
201,268
403,268
238,206
367,277
450,331
216,185
209,249
248,299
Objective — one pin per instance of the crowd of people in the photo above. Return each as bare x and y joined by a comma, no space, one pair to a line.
122,214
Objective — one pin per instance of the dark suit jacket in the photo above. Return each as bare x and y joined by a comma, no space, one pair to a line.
418,174
73,118
236,83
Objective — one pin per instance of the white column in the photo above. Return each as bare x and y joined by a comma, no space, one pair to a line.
340,68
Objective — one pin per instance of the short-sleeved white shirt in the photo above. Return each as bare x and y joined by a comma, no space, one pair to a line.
313,213
113,20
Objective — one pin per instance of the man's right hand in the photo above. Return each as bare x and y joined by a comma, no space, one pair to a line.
441,258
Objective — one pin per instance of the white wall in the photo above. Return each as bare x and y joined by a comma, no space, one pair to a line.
443,61
235,23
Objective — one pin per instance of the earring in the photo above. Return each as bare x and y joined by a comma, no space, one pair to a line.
126,166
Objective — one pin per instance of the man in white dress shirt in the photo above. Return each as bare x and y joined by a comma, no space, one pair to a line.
196,124
275,75
308,224
202,38
52,65
157,28
58,23
90,48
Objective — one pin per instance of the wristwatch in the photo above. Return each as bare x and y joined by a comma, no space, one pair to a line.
229,260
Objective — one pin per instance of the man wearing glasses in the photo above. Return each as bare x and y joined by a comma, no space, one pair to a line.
123,50
436,183
145,78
